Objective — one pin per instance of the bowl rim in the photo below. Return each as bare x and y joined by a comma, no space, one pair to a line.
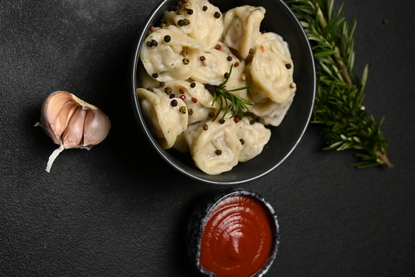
155,14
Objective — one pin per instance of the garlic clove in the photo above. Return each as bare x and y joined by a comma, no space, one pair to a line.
74,132
63,118
51,107
72,123
53,104
96,128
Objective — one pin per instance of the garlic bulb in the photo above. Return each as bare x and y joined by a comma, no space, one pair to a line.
72,123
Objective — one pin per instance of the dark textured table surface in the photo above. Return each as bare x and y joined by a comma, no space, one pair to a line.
120,210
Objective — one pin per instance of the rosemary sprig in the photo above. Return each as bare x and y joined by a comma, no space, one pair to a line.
227,100
340,91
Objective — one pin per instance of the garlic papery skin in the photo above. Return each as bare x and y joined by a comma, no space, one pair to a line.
72,123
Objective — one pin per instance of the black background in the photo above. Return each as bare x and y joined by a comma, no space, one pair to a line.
120,210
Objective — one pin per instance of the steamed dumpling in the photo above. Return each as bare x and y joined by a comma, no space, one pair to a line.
166,119
242,28
215,148
253,138
166,61
197,99
202,24
271,71
213,64
271,113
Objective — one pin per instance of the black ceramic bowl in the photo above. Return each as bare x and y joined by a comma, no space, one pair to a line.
279,19
200,217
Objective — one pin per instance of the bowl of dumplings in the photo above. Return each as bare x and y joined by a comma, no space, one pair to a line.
224,90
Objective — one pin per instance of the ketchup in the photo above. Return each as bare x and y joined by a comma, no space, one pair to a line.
237,240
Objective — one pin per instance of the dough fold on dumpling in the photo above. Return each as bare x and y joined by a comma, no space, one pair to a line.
212,65
214,146
271,113
166,61
271,71
253,138
202,24
166,120
197,99
242,28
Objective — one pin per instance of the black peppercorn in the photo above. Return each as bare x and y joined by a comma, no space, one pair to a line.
168,90
217,14
210,88
167,38
174,103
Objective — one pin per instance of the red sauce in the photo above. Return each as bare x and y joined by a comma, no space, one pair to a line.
237,239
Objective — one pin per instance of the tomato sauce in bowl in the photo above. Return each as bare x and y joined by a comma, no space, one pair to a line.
235,235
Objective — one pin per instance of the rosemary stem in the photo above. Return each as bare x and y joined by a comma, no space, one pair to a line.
320,16
337,55
342,66
384,159
339,93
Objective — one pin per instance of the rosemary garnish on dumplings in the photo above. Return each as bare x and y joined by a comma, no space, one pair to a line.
340,91
227,100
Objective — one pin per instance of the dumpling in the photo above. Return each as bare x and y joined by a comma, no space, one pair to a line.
276,41
197,99
172,58
271,72
209,26
253,138
145,80
214,146
201,21
242,28
212,64
166,118
271,113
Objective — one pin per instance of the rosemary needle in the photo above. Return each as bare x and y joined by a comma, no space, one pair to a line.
340,91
